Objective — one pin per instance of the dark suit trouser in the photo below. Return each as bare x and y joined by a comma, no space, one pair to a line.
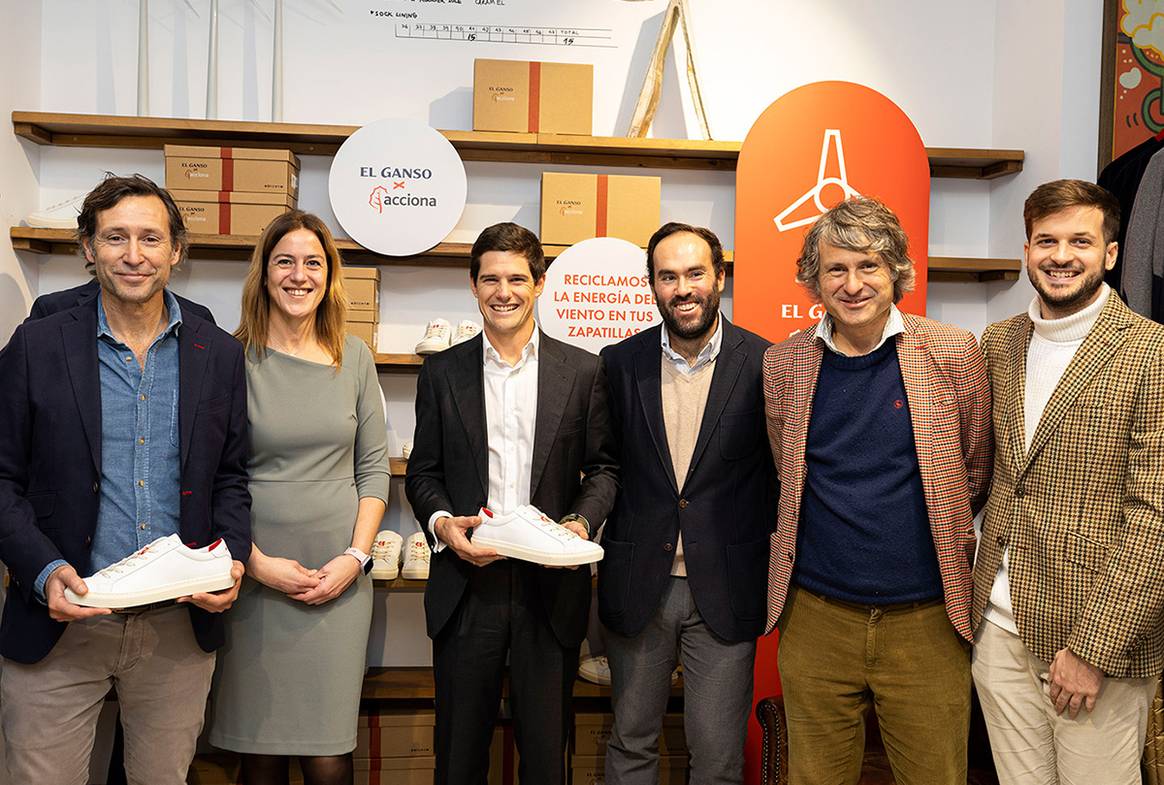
501,613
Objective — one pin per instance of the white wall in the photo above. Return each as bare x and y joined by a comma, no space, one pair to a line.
19,160
987,74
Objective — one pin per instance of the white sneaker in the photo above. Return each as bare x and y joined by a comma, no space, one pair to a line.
595,670
531,536
466,331
416,558
406,448
437,337
62,215
386,555
163,570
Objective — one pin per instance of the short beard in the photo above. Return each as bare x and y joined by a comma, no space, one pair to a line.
710,306
1072,302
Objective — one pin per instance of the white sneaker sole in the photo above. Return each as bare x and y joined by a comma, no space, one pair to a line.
52,221
430,347
415,573
535,556
385,573
148,597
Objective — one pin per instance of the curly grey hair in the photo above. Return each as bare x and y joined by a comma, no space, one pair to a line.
859,224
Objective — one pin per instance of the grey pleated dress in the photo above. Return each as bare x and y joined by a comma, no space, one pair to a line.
288,679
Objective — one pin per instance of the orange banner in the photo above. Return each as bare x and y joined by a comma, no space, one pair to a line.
812,148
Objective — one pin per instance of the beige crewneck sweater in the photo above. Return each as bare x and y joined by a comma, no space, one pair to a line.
684,399
1052,347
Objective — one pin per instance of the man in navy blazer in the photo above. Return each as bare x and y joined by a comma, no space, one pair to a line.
685,572
124,421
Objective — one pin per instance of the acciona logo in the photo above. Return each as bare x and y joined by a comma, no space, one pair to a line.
569,206
397,187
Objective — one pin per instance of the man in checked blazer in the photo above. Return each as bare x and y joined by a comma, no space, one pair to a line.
879,424
1069,581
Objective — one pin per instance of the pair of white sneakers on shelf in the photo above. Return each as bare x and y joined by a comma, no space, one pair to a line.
163,570
439,335
389,549
530,535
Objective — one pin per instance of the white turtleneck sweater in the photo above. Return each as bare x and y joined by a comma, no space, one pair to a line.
1053,345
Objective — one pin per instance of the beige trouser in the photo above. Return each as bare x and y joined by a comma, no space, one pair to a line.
1034,746
49,709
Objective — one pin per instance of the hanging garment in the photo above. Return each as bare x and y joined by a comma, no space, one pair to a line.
1142,276
1122,177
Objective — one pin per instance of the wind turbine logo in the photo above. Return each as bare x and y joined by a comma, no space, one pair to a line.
831,172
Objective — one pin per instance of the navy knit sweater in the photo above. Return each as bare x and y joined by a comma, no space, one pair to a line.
864,528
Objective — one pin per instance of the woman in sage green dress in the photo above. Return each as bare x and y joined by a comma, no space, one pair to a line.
288,679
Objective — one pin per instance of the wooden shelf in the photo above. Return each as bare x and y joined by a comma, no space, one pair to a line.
400,585
88,130
398,363
944,268
238,247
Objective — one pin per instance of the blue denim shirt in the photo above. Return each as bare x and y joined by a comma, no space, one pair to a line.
140,458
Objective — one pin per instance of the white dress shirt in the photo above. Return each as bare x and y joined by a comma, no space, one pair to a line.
893,325
707,354
511,406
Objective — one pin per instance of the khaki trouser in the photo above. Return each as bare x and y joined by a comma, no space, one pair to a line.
1034,746
49,709
907,662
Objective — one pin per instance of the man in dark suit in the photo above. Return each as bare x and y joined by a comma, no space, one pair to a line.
686,564
125,422
52,302
506,419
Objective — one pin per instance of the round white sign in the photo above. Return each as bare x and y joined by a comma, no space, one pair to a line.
397,187
597,293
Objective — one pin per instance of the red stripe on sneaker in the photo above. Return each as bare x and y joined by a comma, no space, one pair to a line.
214,544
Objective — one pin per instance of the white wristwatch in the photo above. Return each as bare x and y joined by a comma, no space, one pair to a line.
364,559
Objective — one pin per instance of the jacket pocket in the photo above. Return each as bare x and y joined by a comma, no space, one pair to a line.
43,503
614,573
1086,552
740,434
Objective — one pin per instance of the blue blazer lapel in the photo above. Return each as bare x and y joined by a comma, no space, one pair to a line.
648,380
723,380
467,383
193,357
80,339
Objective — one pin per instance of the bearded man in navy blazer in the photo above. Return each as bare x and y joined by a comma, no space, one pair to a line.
686,567
124,421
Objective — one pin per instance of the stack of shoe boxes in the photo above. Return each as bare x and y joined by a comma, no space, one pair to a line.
363,287
393,747
231,190
591,734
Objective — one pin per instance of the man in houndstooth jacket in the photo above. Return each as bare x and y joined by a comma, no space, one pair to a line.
1069,579
879,423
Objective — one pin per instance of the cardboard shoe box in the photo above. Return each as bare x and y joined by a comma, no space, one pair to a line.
576,207
362,285
365,331
532,97
384,771
592,733
232,169
230,212
395,734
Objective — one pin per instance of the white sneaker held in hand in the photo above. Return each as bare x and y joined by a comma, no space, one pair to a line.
416,558
386,555
437,337
530,535
163,570
466,331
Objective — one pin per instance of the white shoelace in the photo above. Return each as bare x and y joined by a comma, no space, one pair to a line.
556,529
124,564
